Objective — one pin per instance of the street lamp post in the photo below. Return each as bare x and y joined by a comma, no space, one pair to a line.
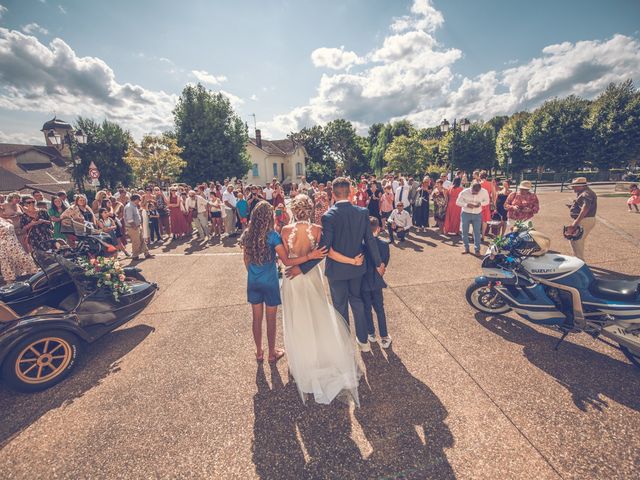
60,141
445,127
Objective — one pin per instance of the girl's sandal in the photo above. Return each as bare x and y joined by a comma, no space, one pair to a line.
260,358
279,354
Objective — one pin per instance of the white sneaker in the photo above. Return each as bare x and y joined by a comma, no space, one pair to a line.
364,347
372,338
385,342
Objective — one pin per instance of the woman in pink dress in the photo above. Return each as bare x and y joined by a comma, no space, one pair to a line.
178,221
489,186
634,199
452,219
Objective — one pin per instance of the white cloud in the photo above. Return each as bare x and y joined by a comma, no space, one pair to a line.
47,78
21,138
33,28
62,9
234,99
411,75
254,97
206,77
3,10
335,58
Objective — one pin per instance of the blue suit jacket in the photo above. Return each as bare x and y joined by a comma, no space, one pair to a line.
372,279
345,228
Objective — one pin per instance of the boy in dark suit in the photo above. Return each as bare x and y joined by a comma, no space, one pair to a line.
372,286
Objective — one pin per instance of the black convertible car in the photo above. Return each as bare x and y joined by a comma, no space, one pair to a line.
45,320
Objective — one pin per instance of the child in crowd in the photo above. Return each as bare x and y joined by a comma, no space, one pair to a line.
634,199
371,291
154,222
261,243
282,217
243,210
109,226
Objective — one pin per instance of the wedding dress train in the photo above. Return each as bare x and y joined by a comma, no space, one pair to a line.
320,350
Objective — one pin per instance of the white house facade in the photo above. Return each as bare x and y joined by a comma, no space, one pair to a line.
281,159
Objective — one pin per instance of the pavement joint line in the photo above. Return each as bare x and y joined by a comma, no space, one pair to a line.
509,419
618,230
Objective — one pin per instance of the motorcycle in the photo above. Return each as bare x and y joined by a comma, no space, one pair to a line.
556,291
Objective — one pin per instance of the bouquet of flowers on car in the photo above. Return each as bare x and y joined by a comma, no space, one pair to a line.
108,272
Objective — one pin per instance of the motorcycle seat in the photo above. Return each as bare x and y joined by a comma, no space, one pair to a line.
626,290
15,291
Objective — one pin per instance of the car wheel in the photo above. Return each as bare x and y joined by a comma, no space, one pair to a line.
486,299
41,360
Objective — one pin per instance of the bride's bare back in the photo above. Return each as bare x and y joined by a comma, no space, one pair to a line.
300,238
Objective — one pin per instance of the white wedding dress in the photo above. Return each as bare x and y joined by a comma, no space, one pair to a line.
320,351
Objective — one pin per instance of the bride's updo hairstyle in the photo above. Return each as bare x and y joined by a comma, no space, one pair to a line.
301,206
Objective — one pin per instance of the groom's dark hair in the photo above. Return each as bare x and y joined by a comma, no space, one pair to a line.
341,187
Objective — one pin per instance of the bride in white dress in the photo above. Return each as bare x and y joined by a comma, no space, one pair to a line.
320,351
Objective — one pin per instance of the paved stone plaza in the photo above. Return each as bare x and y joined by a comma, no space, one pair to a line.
176,393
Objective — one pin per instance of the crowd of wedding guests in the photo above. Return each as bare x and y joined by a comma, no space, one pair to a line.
142,218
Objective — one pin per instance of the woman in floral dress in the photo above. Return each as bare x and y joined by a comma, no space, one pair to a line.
321,200
14,261
439,197
36,223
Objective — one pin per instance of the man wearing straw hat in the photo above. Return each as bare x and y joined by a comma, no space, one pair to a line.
583,211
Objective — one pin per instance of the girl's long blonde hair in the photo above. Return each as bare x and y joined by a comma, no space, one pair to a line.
254,239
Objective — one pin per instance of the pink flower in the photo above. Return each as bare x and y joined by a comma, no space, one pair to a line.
121,277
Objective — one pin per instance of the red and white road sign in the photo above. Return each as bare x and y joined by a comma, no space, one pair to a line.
93,171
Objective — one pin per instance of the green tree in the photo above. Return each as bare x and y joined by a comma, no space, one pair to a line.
156,159
411,155
344,148
107,145
555,135
509,144
212,136
385,136
614,121
470,150
320,165
498,122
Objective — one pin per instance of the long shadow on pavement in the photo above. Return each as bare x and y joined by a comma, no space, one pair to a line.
294,441
587,374
97,361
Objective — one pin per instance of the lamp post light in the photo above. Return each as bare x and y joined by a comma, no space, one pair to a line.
463,126
60,141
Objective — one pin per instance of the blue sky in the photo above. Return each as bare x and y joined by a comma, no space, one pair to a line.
295,63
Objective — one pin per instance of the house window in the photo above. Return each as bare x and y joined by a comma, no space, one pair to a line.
256,172
275,170
299,169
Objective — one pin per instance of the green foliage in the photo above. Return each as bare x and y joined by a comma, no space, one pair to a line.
320,166
107,145
614,121
509,144
555,135
344,148
498,122
385,134
156,159
212,136
411,155
471,150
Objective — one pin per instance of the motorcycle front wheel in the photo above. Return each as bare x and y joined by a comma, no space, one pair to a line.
486,299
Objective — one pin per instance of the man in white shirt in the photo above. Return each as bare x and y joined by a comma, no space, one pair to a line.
198,207
229,200
395,183
446,183
400,222
472,200
402,194
268,193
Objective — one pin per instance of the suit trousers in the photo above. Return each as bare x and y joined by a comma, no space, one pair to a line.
577,246
345,293
138,244
374,300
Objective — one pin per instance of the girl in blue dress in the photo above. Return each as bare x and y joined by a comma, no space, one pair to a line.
261,243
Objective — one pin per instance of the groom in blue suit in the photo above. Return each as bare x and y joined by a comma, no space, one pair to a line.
345,228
